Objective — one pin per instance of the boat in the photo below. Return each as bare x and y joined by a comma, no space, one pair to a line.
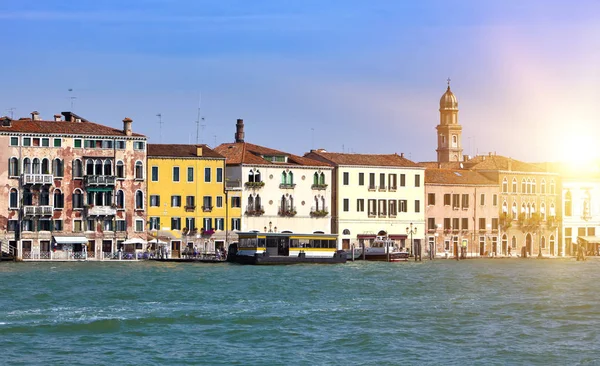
285,248
385,249
354,254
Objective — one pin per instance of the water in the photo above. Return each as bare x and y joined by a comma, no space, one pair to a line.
441,312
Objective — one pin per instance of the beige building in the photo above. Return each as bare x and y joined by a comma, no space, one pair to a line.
461,208
375,195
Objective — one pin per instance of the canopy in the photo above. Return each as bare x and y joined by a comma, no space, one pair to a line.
70,239
154,241
590,239
134,241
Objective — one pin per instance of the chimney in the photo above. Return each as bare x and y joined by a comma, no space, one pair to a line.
198,150
127,126
35,116
466,158
401,155
239,130
57,117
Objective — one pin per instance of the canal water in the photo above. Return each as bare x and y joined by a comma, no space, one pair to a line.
442,312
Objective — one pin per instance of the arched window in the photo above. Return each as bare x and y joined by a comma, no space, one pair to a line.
543,211
120,169
533,186
250,203
45,166
37,169
533,208
107,167
257,202
523,186
587,200
316,178
504,243
13,201
44,196
552,187
504,185
552,210
504,207
139,170
26,166
77,169
568,204
251,176
139,199
290,178
89,167
514,210
257,177
108,198
120,199
27,197
316,203
513,242
283,178
283,207
13,167
322,179
528,185
77,198
524,208
551,241
543,187
346,232
59,200
57,167
514,185
543,242
98,167
454,141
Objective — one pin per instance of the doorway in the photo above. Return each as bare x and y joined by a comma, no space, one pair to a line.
529,244
345,244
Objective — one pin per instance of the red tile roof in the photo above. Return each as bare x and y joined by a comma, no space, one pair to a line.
456,177
498,162
363,159
247,153
181,151
26,125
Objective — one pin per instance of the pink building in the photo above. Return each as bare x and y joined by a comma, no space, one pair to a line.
74,189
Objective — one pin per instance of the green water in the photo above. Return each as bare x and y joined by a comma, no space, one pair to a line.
441,312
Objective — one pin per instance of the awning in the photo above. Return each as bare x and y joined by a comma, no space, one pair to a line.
134,241
398,236
366,236
70,239
590,239
99,189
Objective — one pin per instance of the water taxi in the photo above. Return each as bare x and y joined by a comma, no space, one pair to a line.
285,248
385,249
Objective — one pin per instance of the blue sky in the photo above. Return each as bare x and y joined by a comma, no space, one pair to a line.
344,75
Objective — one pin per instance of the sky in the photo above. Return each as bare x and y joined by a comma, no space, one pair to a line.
343,75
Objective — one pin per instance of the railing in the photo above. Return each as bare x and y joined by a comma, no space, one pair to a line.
37,179
100,180
287,185
287,211
207,208
100,211
392,189
372,188
38,210
319,211
319,186
190,208
254,184
382,214
255,210
382,188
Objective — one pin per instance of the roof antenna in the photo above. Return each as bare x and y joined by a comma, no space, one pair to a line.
159,115
72,98
215,136
199,119
11,110
312,138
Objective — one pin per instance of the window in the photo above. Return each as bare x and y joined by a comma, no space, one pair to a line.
372,207
154,174
482,199
190,201
381,180
90,225
236,224
464,223
219,201
495,223
207,223
190,174
121,225
108,225
207,203
346,205
543,187
57,142
120,199
514,185
154,200
455,223
26,141
77,226
120,170
392,184
139,145
44,225
58,225
495,200
361,179
190,223
360,205
219,175
77,199
154,223
175,174
45,142
382,208
393,208
417,206
139,200
523,186
219,224
431,223
455,201
447,224
120,145
236,202
175,201
14,141
417,180
504,185
371,180
447,199
13,201
59,199
107,144
346,178
77,168
175,223
568,205
402,180
77,143
403,206
431,199
482,226
465,201
13,167
58,167
207,175
139,170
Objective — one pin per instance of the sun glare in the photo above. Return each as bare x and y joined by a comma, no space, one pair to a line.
579,148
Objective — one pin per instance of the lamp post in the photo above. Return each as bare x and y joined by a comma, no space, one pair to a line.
411,230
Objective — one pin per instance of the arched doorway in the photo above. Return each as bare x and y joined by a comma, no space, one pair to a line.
504,244
529,244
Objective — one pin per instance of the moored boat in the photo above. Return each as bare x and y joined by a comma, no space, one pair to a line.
385,249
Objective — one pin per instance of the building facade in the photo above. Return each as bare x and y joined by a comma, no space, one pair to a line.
462,208
280,192
75,189
188,206
375,195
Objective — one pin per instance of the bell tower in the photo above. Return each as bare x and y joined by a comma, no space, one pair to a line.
449,146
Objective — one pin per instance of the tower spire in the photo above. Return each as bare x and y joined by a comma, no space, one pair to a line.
449,131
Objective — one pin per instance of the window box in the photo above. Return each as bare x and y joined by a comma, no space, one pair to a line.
191,208
254,184
287,186
319,213
255,212
207,208
319,186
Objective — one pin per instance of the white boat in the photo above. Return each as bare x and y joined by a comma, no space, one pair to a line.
385,249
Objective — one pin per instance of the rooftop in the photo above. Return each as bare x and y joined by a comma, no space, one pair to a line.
392,160
247,153
456,177
181,151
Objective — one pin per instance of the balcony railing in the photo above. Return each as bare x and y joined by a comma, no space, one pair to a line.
255,210
372,214
100,180
319,186
382,188
372,188
38,210
392,189
207,208
319,211
100,211
190,208
37,179
255,185
287,185
287,211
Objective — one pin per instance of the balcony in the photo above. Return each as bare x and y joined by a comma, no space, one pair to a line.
38,210
392,189
233,185
287,186
255,211
100,211
100,180
319,211
319,187
190,208
37,179
382,188
254,185
372,188
207,208
287,211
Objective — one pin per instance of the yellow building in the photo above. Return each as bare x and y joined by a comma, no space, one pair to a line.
188,206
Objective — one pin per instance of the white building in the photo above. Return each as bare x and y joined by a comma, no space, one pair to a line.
281,192
376,195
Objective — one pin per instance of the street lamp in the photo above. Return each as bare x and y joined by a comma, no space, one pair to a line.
411,230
